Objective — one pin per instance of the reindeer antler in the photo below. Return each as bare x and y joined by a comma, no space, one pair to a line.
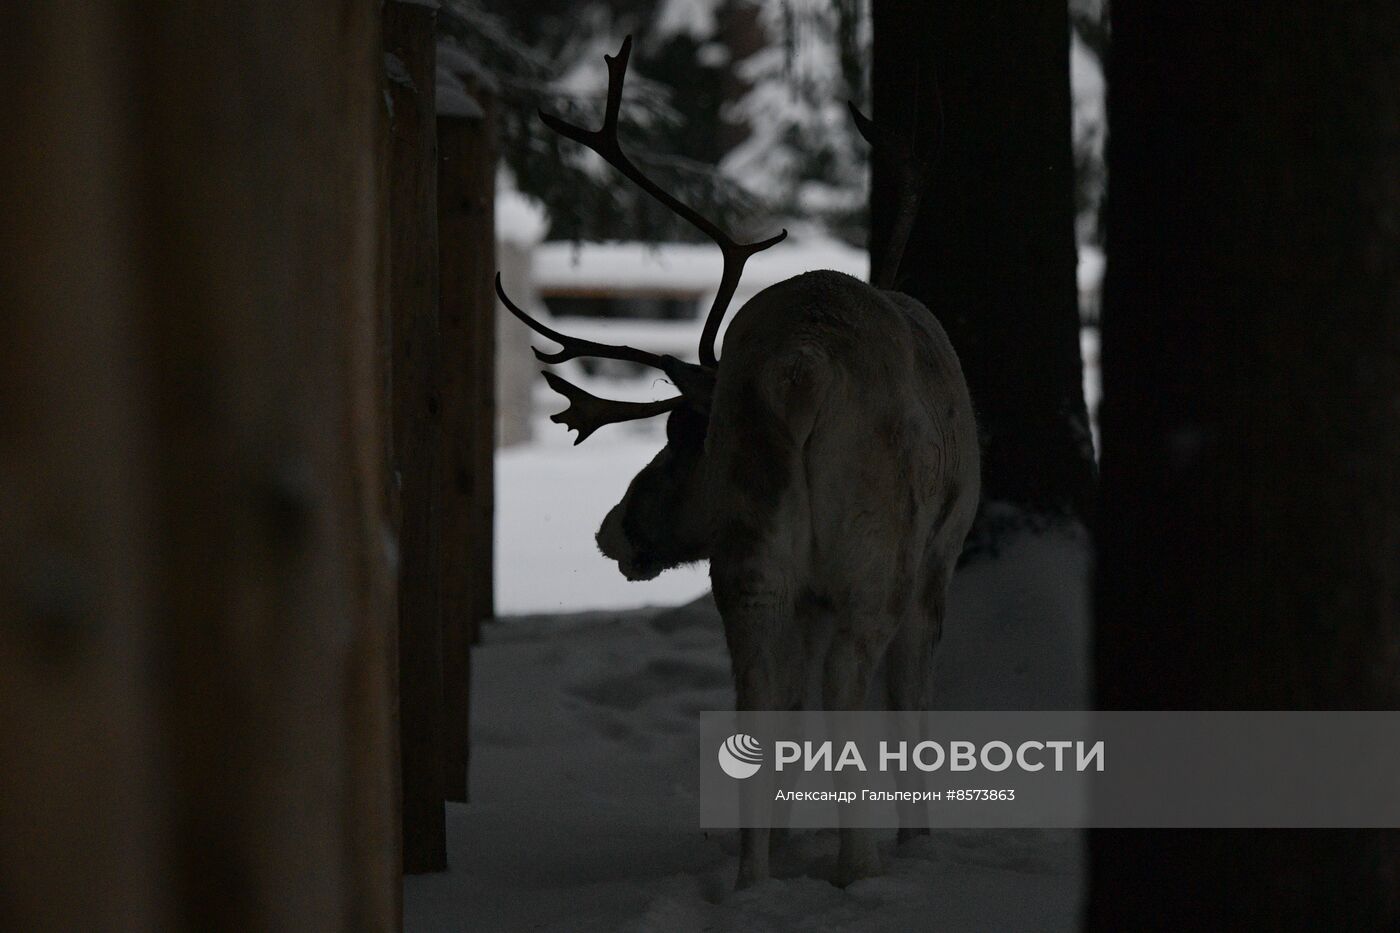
604,142
586,413
912,168
575,347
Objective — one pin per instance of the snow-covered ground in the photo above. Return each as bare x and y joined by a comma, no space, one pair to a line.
550,499
584,768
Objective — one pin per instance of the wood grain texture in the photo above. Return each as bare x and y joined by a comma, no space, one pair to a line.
466,225
80,788
409,40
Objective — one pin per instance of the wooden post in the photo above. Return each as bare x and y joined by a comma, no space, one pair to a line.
484,401
79,826
375,857
383,362
196,703
256,258
466,230
410,54
484,440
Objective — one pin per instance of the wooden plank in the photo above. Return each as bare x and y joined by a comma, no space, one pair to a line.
192,561
373,809
411,55
255,245
466,229
79,833
484,449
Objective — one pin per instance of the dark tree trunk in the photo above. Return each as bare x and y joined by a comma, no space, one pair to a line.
410,47
1250,544
992,252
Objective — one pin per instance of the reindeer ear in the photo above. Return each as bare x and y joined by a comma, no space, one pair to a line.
696,383
686,427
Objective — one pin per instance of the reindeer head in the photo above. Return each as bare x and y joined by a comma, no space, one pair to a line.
657,525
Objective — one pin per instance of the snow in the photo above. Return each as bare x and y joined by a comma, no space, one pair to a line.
713,55
550,499
520,219
1089,125
584,775
396,71
693,18
799,132
460,62
644,101
684,267
452,99
1093,378
1090,269
680,338
1086,77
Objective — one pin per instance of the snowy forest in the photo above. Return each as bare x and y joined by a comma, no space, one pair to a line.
418,415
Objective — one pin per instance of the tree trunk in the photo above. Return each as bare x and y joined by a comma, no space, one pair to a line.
1250,548
410,52
466,221
992,251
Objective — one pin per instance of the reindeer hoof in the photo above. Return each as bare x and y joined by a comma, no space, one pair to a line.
851,871
848,876
748,879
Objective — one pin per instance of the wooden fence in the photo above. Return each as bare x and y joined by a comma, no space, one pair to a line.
245,479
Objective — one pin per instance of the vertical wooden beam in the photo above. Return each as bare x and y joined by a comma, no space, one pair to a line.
388,489
485,317
373,817
79,829
192,562
466,230
256,254
484,401
410,55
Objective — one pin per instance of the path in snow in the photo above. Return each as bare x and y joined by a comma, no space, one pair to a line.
584,774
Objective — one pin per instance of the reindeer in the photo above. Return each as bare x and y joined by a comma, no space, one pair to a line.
827,467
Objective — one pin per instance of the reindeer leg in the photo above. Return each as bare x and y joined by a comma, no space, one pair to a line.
757,622
860,640
755,691
909,674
